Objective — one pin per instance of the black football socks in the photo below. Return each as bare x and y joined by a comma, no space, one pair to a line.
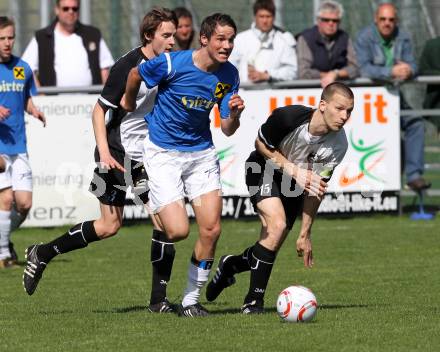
79,236
162,258
262,260
236,264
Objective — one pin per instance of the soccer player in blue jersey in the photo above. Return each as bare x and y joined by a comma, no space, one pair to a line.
119,153
16,90
179,154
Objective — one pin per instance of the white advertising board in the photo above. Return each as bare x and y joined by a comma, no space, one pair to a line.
62,154
61,157
372,162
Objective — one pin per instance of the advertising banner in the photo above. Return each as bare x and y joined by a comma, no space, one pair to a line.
62,162
371,167
368,179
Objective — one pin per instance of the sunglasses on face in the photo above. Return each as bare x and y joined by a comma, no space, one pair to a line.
327,20
67,8
387,19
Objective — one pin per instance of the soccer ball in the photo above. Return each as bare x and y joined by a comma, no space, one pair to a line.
297,304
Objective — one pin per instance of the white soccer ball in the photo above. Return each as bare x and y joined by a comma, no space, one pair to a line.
297,304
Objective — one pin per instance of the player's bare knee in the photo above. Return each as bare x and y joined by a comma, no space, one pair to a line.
109,230
177,234
277,227
24,207
211,233
6,201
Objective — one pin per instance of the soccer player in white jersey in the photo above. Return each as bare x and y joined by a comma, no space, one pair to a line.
296,146
179,154
119,156
16,90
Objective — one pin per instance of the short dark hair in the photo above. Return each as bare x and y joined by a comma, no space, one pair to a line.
267,5
152,20
208,25
336,87
78,1
182,12
6,22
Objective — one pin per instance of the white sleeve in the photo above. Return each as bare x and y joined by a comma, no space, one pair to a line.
105,57
237,53
30,54
288,68
235,57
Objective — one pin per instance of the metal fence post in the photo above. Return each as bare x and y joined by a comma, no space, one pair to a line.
44,13
85,12
15,11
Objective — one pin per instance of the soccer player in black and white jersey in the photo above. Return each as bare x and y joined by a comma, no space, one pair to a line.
119,156
297,149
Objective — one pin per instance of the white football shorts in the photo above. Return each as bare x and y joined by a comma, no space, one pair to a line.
174,175
18,173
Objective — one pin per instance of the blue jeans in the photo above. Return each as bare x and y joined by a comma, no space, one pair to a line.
413,128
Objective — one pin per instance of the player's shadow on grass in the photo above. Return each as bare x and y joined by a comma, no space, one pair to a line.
122,310
342,306
236,311
130,309
214,311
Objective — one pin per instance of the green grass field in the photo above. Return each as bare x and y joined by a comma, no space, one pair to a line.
377,281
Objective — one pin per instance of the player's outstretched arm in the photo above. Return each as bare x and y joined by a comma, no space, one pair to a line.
231,124
304,241
33,110
128,101
105,158
306,179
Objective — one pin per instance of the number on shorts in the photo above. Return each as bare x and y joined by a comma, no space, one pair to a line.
265,189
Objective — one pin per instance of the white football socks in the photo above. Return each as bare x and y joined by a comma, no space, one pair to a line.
5,232
197,278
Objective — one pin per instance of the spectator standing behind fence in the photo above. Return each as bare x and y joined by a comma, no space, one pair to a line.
186,37
430,65
68,53
264,52
325,51
384,52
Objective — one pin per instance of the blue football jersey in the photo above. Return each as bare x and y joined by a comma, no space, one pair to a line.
16,86
186,95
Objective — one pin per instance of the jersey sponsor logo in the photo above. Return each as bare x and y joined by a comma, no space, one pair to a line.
197,103
11,87
18,72
221,89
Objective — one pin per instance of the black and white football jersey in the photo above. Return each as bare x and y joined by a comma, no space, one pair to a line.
287,130
126,131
